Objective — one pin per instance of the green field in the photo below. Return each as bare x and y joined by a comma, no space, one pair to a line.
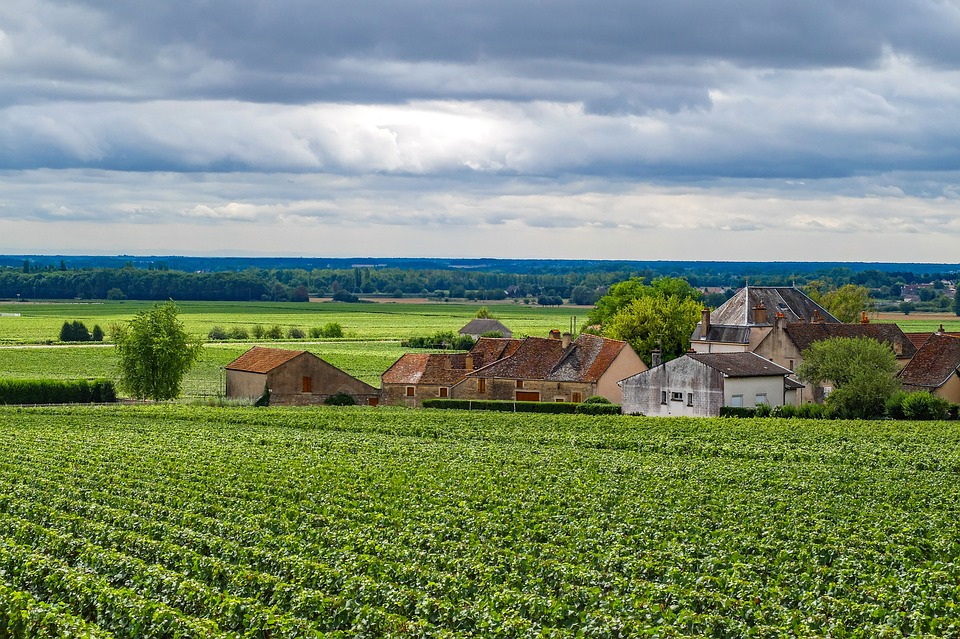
197,522
41,323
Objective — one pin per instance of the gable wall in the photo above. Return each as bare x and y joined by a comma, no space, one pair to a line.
626,363
286,383
643,393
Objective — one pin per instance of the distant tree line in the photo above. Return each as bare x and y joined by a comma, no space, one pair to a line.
582,287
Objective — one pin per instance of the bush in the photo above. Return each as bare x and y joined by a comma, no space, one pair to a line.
343,296
737,411
296,333
75,331
924,405
340,399
763,410
332,329
97,334
217,334
441,340
258,331
597,399
239,333
274,332
894,404
55,391
598,409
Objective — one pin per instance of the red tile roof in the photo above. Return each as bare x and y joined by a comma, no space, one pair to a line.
936,361
805,334
537,358
262,360
443,369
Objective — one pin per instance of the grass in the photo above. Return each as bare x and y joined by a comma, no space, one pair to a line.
40,323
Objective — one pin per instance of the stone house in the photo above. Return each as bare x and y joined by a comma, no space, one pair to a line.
700,384
295,378
418,376
935,367
555,369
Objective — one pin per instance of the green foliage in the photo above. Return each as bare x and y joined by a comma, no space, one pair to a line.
115,294
50,391
862,371
598,409
652,321
484,313
501,406
332,330
441,340
217,333
75,331
917,405
623,294
274,332
597,399
737,411
802,411
97,334
340,399
155,352
264,399
182,521
845,303
295,332
238,333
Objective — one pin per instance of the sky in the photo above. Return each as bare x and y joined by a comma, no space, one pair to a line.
743,130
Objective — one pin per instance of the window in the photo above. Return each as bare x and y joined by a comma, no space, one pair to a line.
410,391
761,398
528,396
576,397
676,397
443,391
689,399
519,383
481,385
736,401
306,385
790,364
559,399
663,397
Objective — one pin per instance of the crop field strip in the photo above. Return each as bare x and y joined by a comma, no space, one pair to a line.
201,522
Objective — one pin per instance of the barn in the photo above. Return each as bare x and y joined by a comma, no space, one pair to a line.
295,378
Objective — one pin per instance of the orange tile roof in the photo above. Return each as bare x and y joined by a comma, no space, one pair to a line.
262,360
936,361
587,359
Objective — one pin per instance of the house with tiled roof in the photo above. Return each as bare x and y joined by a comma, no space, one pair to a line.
744,320
294,378
477,327
555,369
935,367
700,384
418,376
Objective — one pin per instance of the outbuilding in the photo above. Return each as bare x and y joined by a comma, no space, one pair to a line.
294,378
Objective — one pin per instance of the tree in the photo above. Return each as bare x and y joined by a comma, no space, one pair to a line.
863,372
656,321
484,313
623,293
956,304
155,352
847,302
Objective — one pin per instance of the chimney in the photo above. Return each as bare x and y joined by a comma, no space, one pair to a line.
863,318
940,330
468,362
704,323
817,318
554,334
566,340
656,358
760,314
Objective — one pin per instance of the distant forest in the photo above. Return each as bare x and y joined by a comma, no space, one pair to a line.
298,279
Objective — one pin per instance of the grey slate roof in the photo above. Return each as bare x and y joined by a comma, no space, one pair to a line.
480,326
737,312
740,364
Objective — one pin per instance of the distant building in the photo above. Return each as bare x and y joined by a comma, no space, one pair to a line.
294,378
477,327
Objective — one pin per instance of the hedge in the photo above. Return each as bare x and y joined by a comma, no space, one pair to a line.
56,391
522,407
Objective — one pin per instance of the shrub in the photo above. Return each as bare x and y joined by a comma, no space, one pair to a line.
924,405
598,409
97,334
331,329
597,399
258,331
55,391
239,333
274,332
340,399
296,333
894,404
217,333
75,331
763,410
737,411
343,296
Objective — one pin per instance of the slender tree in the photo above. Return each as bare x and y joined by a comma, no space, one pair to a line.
155,352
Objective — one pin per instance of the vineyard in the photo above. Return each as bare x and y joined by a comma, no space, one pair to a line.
197,522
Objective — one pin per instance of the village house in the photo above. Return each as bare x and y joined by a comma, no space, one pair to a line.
935,367
294,378
700,384
554,369
418,376
478,327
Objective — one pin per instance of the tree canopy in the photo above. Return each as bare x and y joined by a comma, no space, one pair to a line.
862,371
652,321
845,303
622,294
155,352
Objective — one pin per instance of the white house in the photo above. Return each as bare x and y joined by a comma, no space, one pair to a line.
700,384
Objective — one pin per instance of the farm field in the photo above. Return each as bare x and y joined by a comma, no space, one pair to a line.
38,323
187,521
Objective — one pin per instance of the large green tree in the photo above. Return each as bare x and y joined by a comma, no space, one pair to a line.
847,302
664,321
624,293
155,352
863,373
